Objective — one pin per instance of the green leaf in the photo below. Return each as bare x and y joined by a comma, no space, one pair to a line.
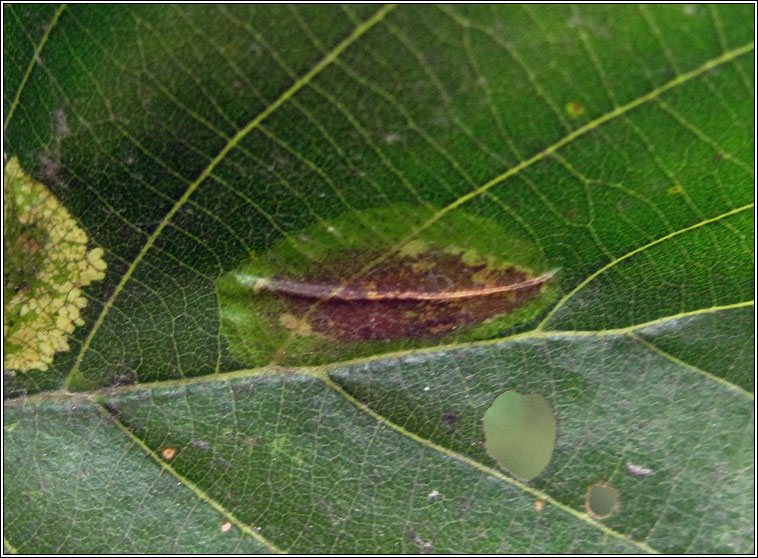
614,143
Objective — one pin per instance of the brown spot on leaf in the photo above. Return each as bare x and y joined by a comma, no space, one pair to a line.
168,453
420,293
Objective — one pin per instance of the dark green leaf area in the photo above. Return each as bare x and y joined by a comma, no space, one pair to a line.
714,342
196,142
710,265
317,475
618,405
97,491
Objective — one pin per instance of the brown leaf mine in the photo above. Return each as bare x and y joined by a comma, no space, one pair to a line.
361,283
418,293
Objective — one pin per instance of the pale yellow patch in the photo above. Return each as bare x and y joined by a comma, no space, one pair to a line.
297,325
574,109
413,248
260,284
50,300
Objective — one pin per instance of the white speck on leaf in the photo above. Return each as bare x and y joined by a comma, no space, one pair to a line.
637,470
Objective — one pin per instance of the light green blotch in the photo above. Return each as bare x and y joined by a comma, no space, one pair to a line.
252,322
602,500
519,433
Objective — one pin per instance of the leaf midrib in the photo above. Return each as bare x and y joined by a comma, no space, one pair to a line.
315,370
322,373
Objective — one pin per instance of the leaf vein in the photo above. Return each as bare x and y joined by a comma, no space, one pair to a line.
612,263
186,482
482,467
294,88
33,63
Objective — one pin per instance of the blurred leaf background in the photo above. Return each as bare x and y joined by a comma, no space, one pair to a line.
616,139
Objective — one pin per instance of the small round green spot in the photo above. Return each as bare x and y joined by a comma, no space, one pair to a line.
602,500
575,109
519,433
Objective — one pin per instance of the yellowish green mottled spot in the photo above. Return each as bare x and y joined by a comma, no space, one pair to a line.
361,284
574,109
47,264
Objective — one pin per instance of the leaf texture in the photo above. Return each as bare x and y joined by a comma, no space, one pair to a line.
616,140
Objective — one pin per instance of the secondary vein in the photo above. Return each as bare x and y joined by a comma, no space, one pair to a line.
294,88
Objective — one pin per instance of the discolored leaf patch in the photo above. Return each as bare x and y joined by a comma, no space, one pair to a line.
47,263
427,293
357,286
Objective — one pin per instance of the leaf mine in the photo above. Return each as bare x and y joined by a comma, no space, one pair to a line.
358,285
416,295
